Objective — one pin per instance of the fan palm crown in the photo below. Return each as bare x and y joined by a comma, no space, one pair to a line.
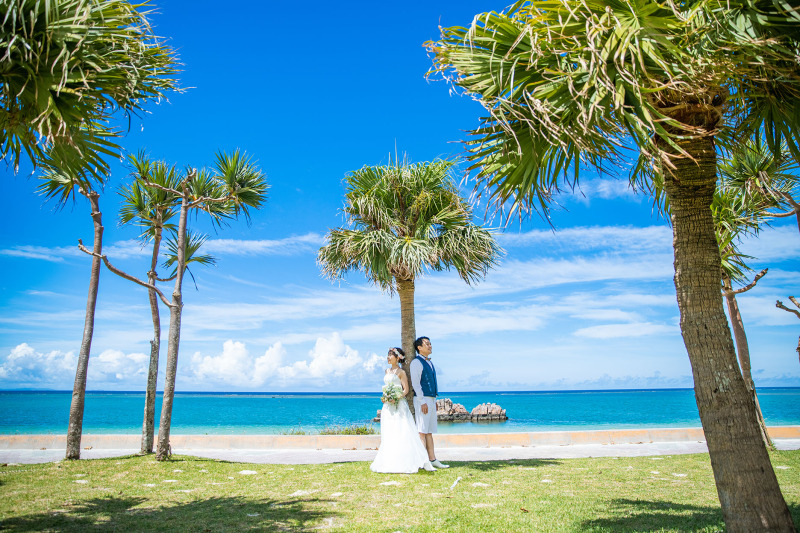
404,219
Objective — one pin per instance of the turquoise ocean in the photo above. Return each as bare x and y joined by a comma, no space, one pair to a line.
27,412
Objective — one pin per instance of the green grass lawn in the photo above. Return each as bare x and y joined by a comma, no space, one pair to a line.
667,493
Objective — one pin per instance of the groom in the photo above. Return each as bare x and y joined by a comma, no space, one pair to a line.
423,379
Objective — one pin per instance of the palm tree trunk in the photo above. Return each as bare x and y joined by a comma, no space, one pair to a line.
148,424
743,351
748,490
163,450
408,332
75,429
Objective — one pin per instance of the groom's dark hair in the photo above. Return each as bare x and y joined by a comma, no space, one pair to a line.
418,343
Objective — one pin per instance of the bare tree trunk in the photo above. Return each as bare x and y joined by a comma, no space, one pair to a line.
163,451
75,429
408,334
148,424
743,351
798,220
748,490
780,305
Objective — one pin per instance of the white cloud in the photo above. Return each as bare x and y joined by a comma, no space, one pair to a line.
24,366
318,304
372,363
627,239
114,365
287,246
780,243
55,255
132,248
266,365
606,314
457,320
127,249
603,188
637,329
761,310
234,365
329,358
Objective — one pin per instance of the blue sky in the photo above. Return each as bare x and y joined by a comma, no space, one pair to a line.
311,95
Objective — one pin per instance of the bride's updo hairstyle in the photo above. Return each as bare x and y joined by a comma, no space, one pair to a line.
399,353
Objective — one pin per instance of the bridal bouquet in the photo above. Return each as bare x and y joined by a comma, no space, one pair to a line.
392,393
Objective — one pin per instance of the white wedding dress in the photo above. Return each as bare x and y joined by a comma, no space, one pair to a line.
401,450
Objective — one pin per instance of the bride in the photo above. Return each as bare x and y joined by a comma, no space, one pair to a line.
401,451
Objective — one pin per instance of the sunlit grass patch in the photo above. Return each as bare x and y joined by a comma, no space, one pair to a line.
673,493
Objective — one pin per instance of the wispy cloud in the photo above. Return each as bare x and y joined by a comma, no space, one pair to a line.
602,189
42,253
287,246
633,329
58,254
777,244
133,248
627,239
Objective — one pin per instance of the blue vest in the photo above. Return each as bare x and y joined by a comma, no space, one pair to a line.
428,379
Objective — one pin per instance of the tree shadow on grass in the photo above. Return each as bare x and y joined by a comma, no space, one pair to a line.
485,466
657,515
199,516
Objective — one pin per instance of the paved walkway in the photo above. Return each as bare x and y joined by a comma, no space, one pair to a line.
18,449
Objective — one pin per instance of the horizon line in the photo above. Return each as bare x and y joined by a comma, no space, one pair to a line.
28,389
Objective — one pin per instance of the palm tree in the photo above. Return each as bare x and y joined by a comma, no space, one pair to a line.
403,219
67,66
60,186
233,187
151,209
192,245
569,84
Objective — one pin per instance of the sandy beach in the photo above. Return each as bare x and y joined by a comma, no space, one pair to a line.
310,449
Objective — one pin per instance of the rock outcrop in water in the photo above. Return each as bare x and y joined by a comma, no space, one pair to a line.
447,411
488,412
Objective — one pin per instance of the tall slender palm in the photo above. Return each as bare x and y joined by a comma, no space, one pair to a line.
67,67
151,209
403,219
60,186
571,83
231,188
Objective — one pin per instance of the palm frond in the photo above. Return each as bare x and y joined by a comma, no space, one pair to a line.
68,65
145,201
193,244
569,85
406,218
241,181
